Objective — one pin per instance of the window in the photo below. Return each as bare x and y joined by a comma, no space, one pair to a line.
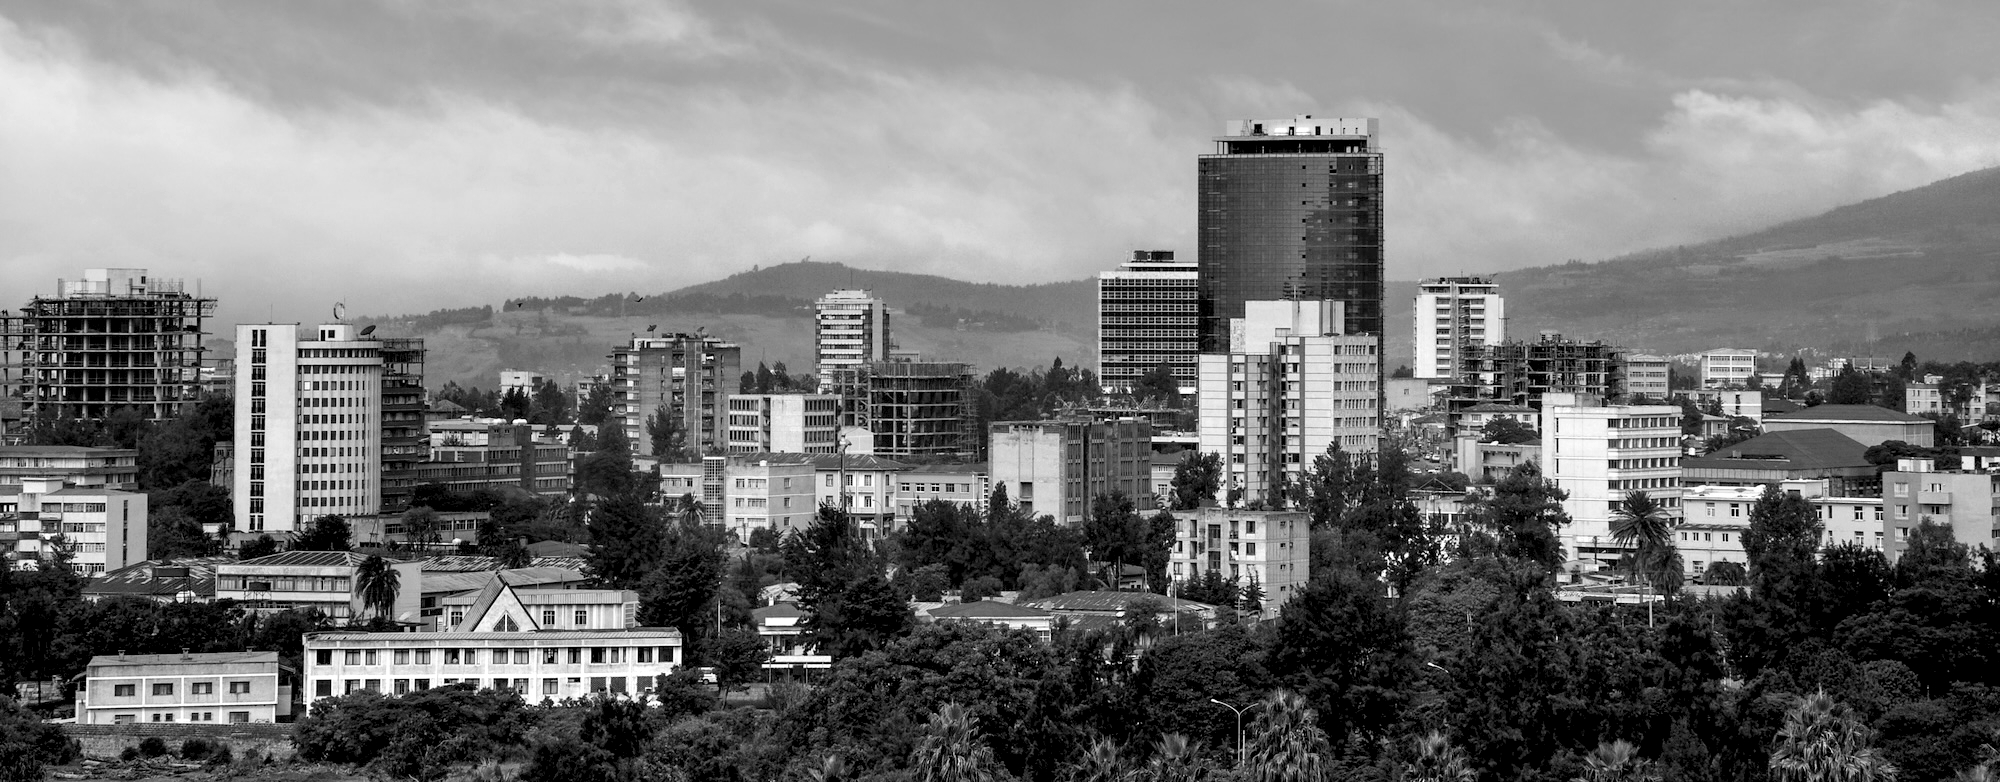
124,690
239,716
402,657
582,617
471,657
548,686
423,657
548,657
402,686
645,654
163,689
457,616
596,656
575,656
201,688
521,658
374,657
323,657
352,658
451,657
548,619
323,688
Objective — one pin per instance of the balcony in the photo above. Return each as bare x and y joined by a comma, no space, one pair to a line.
1933,498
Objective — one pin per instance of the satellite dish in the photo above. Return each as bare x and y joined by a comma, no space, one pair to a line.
368,331
339,310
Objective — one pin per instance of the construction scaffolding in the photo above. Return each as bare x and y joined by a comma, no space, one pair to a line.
404,429
911,408
1520,373
115,339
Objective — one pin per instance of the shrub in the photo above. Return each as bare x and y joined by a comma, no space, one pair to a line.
130,753
153,747
197,748
416,735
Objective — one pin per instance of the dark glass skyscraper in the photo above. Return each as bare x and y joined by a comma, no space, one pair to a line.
1291,209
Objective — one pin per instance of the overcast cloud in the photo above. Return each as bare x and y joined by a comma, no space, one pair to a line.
412,155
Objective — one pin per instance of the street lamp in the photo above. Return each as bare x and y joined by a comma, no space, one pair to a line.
1239,726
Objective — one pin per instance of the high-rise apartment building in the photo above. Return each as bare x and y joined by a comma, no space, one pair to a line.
687,375
1148,315
1271,549
1453,313
308,426
850,328
1598,453
102,528
784,423
1290,386
116,338
404,430
1291,209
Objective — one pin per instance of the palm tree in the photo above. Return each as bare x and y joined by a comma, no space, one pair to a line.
833,769
1617,761
1174,760
1821,740
378,584
690,509
1438,760
1100,763
951,750
1286,744
1642,522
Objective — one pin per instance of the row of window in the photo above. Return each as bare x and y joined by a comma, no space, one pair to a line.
573,655
192,716
323,688
162,689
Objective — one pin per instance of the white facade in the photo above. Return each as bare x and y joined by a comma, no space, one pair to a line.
1598,453
1147,315
105,529
1454,311
769,494
323,580
308,426
1735,403
1727,367
1290,387
518,380
1647,376
1272,548
850,328
958,484
783,423
224,687
537,643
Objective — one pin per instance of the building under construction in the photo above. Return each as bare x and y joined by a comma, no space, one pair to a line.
1519,373
404,431
116,338
911,408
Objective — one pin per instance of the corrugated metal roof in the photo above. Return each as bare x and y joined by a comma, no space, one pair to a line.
1799,449
145,578
310,559
989,609
1848,413
1109,601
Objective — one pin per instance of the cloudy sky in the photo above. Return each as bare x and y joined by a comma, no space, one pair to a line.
411,154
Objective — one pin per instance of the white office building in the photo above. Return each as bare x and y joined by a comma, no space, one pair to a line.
1147,315
1290,386
850,329
1727,367
784,423
1598,453
551,644
1451,313
218,687
308,426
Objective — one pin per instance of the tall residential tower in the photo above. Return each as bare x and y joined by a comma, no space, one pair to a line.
308,434
1453,314
850,328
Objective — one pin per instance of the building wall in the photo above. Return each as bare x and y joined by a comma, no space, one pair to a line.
260,698
1964,501
768,495
308,426
688,373
1278,400
536,665
1919,433
850,328
1057,468
918,485
1291,208
783,423
1272,548
329,588
1647,377
1148,314
1449,310
1598,453
1727,367
111,468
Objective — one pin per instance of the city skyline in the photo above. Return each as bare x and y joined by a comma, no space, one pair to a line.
436,156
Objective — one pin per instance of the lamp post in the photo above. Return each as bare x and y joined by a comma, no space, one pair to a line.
1239,726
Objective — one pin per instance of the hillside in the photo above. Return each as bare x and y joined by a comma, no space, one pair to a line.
1867,276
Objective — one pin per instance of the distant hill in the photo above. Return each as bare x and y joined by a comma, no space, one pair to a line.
1863,278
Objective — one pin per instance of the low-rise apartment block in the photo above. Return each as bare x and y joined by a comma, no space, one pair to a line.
99,528
1727,368
80,466
1057,467
224,687
1269,548
324,580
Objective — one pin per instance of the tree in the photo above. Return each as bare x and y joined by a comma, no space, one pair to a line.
1115,531
327,533
262,546
594,408
850,606
378,585
421,527
1196,480
668,439
1725,574
550,405
626,541
1850,387
1328,486
171,533
1641,522
951,750
738,656
1437,760
1158,385
1509,431
1175,759
680,587
515,405
1823,741
608,470
1524,516
1285,743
